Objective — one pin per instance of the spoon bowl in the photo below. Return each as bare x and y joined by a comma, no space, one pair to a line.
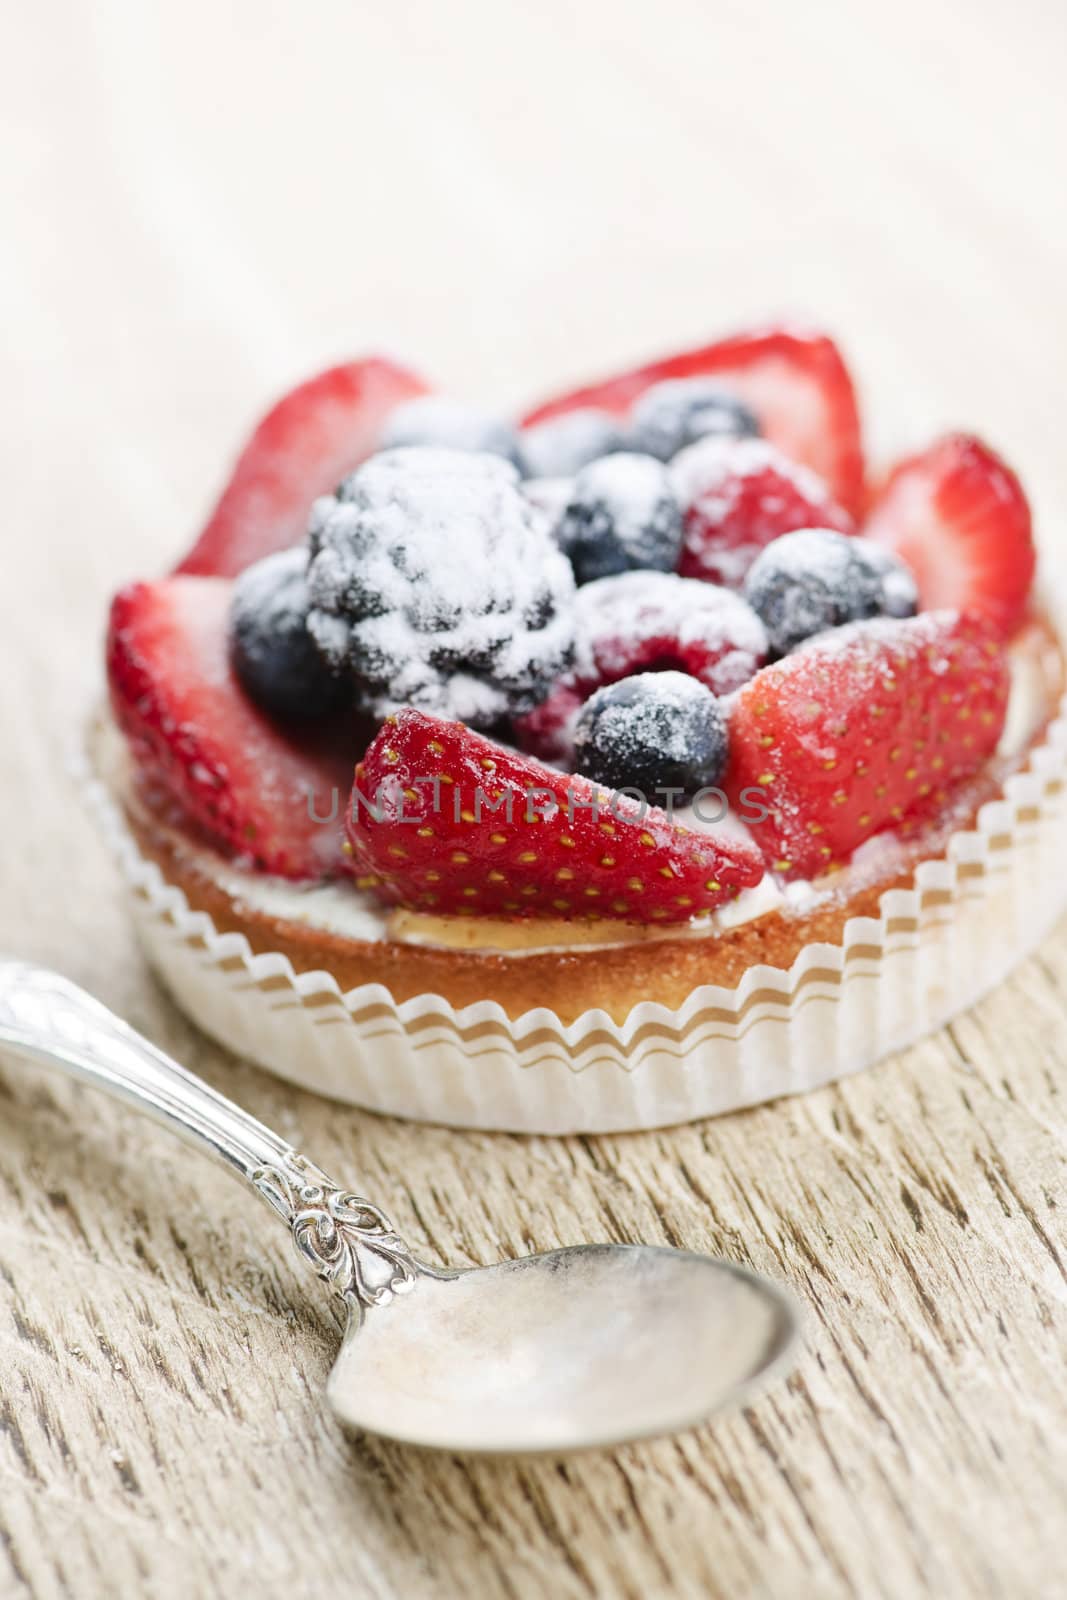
573,1349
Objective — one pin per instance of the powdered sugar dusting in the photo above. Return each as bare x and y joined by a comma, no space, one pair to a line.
658,727
675,412
812,553
549,495
437,582
562,446
437,421
815,579
632,485
738,494
866,644
713,467
616,616
647,621
623,515
274,590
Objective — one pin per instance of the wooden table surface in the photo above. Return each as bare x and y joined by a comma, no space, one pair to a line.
206,203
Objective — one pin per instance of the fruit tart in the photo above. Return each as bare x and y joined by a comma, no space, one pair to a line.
638,760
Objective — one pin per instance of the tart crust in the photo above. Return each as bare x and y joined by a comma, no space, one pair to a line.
613,978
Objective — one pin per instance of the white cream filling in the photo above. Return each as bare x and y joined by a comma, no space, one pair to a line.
343,910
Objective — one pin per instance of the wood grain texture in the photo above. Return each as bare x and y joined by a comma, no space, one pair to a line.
205,203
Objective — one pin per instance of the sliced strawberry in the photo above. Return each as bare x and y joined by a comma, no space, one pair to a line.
313,438
646,622
958,517
871,727
444,820
196,736
795,381
738,495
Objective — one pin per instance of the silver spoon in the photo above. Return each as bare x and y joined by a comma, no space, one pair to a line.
594,1345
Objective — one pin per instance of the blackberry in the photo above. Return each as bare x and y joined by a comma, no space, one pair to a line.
815,579
272,651
678,412
435,420
435,583
623,514
658,730
562,446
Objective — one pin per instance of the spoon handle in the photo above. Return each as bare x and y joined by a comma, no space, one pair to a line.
349,1242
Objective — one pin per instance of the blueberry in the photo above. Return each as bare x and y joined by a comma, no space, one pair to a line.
657,730
623,514
447,424
562,446
815,579
272,651
671,415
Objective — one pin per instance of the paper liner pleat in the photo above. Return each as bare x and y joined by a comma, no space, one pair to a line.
933,950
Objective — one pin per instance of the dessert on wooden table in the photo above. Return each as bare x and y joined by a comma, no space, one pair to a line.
636,761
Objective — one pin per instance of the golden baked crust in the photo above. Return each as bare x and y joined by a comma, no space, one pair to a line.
613,978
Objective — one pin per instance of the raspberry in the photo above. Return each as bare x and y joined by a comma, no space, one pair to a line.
739,495
642,622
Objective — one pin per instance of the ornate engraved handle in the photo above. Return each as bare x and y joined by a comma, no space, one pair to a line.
349,1242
